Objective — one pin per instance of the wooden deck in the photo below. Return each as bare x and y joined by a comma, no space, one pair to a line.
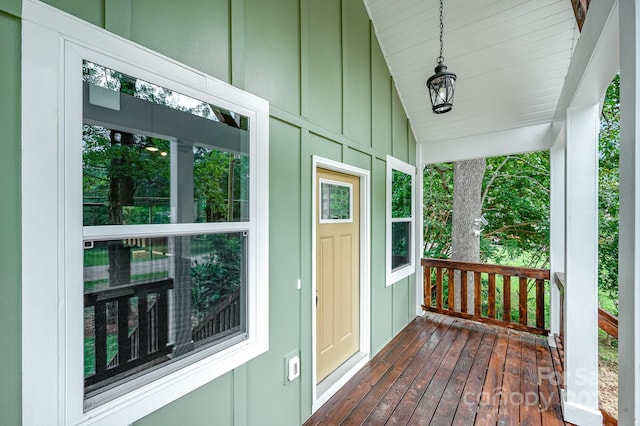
442,370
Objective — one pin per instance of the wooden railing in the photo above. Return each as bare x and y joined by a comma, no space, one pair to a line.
225,318
147,341
608,323
439,278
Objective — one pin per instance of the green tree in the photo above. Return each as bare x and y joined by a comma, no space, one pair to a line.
515,203
608,191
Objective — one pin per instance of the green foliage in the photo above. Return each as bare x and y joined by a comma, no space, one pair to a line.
401,195
438,210
217,274
515,202
608,192
516,205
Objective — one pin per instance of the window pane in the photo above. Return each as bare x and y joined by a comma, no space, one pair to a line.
335,201
151,155
149,302
401,195
400,244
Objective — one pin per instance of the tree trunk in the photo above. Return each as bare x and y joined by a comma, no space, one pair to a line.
467,207
121,190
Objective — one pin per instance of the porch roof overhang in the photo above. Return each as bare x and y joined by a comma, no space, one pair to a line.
520,65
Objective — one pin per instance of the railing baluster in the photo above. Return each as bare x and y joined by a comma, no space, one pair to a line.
491,309
452,291
163,319
523,300
439,288
540,303
100,318
124,346
506,301
143,326
427,286
477,290
463,291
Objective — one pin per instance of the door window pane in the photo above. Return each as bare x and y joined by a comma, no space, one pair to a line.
335,201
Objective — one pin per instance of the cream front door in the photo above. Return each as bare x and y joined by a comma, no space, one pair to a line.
338,270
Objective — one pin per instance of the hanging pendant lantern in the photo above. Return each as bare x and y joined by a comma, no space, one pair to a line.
441,84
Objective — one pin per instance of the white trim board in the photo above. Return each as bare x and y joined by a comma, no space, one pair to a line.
362,357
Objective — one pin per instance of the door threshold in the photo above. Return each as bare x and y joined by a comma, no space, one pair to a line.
340,376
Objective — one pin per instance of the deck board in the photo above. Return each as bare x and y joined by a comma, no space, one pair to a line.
449,371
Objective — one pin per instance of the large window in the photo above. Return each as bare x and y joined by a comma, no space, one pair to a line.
150,261
152,156
400,220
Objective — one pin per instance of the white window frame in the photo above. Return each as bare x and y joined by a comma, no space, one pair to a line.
395,275
54,45
344,185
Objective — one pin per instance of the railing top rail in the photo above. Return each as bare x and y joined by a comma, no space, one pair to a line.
130,290
513,271
559,280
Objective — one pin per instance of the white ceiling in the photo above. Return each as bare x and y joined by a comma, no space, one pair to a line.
510,56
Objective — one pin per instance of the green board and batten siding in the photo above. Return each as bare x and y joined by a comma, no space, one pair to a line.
320,66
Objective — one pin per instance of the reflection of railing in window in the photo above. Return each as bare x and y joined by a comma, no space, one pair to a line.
224,320
146,342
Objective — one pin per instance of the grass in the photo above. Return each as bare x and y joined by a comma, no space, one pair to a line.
90,352
99,256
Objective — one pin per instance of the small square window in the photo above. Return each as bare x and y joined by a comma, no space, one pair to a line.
335,202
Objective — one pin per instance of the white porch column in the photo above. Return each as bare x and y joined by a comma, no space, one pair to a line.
629,240
580,394
557,233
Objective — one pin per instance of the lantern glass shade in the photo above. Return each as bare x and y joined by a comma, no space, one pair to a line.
441,87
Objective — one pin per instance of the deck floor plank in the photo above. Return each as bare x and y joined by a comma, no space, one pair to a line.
490,397
468,407
551,408
381,413
510,413
441,370
405,408
378,389
446,409
530,407
431,397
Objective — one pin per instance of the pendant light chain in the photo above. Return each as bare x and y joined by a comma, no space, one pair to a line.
441,58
